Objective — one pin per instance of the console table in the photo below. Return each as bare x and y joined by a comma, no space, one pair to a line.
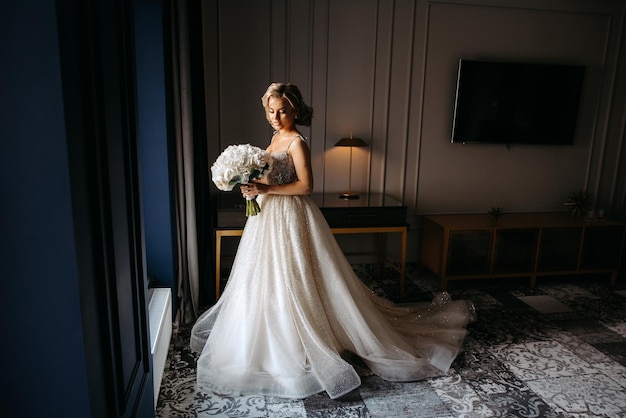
472,246
372,213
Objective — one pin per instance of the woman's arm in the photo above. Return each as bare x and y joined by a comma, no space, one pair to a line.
301,156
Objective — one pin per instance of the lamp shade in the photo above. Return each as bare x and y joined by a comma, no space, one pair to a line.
351,142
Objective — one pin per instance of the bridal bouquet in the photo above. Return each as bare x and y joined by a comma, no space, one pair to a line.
240,164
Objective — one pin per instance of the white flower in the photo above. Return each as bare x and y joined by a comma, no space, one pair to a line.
239,164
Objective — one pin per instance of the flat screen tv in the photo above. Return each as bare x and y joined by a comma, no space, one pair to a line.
516,103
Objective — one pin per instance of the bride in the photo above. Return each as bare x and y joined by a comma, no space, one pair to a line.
293,305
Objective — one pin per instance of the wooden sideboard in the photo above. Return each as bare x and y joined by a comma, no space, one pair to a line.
372,213
473,246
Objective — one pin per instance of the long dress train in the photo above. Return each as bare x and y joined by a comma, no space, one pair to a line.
293,305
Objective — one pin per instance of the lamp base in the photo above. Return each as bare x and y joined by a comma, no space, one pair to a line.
349,195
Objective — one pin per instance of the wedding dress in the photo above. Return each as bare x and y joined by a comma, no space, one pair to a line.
293,305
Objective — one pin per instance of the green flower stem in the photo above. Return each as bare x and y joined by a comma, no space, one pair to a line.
252,207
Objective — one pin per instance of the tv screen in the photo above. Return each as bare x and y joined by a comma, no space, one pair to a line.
516,103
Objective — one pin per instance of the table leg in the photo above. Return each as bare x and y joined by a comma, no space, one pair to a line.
218,262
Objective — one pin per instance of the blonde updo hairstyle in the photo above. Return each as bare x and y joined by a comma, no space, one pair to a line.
291,93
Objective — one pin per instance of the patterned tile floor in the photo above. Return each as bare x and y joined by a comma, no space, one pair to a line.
558,350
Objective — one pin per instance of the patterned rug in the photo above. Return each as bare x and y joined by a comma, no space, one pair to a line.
558,350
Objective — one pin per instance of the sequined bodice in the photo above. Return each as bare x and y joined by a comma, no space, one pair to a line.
283,170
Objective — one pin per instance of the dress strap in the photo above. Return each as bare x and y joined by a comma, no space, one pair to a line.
297,137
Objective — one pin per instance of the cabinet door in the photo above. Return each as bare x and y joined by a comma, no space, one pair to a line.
602,247
515,250
469,252
559,249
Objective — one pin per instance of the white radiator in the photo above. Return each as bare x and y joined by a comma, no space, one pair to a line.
160,315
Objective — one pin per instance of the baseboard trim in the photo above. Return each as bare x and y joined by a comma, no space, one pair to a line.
160,316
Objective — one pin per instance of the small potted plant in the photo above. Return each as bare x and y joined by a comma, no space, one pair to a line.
495,213
578,203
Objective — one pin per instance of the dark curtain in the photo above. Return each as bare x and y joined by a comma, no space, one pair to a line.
186,110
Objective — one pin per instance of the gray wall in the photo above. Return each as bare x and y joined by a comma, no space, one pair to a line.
386,71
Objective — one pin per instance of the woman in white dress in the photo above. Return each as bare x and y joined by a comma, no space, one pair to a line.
293,305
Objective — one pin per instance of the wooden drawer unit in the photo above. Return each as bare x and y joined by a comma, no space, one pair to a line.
472,246
370,209
231,209
370,214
